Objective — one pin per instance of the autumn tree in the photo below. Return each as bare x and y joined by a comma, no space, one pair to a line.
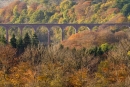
7,55
34,6
3,39
37,16
22,6
23,17
15,13
66,4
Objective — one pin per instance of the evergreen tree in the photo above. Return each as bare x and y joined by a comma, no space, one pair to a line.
27,40
99,51
121,3
35,40
13,41
126,9
20,45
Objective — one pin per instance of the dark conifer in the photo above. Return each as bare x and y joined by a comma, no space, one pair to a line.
27,40
13,41
35,40
20,45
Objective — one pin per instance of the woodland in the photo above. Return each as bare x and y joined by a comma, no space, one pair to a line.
96,58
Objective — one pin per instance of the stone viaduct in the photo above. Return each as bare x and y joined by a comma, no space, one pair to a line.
62,26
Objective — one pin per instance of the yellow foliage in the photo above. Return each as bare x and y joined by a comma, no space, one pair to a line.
121,20
78,78
111,73
106,5
128,18
128,53
21,74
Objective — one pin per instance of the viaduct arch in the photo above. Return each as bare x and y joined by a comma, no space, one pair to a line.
62,26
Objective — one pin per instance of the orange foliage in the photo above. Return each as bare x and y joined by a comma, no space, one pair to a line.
119,18
113,72
87,3
7,12
75,36
39,7
22,6
112,10
34,6
78,78
80,8
21,74
8,57
120,35
89,39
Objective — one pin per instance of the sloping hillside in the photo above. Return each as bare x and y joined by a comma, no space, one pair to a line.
65,11
89,39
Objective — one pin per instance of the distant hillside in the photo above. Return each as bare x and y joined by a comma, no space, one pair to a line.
65,11
4,3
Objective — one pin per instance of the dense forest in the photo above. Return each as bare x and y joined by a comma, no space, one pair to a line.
62,11
96,58
66,11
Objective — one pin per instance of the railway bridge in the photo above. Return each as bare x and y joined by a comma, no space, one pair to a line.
62,26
